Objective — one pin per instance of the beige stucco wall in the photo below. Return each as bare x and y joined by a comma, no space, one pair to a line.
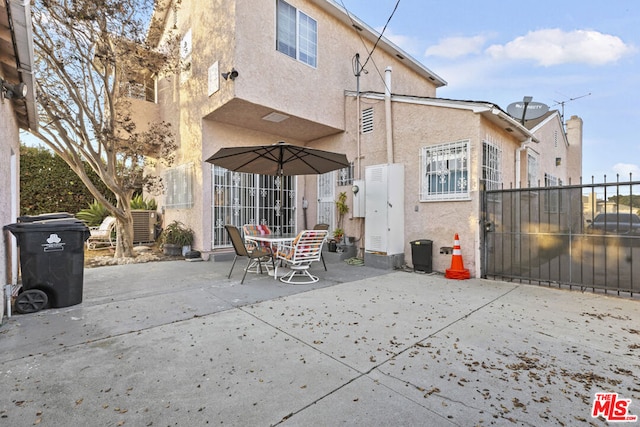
241,34
10,155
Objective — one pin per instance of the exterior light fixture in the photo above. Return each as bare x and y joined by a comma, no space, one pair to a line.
8,91
231,74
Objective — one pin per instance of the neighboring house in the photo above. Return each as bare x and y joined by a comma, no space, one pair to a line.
256,73
16,51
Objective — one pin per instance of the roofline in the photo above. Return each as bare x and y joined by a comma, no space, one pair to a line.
372,35
488,109
22,33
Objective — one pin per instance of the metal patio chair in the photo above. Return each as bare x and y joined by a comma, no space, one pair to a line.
256,254
305,249
104,235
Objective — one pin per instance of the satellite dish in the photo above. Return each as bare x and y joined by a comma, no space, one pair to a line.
534,110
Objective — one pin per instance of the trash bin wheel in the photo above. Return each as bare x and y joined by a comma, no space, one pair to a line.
31,301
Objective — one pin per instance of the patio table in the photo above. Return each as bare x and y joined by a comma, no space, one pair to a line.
273,239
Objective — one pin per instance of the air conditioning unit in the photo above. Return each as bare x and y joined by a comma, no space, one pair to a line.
144,226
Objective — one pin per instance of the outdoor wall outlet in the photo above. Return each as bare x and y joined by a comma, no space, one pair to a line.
447,250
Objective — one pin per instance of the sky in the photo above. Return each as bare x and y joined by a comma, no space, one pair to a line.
580,55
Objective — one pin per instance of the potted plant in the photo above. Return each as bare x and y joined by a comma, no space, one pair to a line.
338,234
176,239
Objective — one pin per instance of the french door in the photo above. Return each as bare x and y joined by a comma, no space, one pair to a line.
244,198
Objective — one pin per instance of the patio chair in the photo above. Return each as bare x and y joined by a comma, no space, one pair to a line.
305,249
255,230
102,236
322,227
255,254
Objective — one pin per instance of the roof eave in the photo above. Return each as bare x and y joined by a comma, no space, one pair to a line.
372,35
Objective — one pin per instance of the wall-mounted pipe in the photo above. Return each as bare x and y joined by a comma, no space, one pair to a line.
387,110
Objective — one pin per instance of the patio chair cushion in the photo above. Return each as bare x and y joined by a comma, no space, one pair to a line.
256,230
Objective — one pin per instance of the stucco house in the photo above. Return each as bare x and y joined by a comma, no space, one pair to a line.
309,73
16,59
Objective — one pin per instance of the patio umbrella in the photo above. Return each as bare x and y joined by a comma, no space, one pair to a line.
280,159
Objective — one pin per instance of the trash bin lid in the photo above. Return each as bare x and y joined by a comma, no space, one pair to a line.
421,242
44,216
62,224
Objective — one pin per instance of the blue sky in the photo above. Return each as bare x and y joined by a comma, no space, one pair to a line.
556,51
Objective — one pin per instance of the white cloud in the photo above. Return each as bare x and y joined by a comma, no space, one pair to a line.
406,43
624,169
554,46
455,47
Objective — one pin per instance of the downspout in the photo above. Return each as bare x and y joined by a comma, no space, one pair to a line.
387,109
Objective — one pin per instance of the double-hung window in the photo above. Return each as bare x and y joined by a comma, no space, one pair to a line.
445,171
296,34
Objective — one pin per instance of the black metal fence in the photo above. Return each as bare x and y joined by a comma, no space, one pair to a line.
585,236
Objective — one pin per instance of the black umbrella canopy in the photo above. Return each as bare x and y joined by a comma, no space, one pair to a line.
278,159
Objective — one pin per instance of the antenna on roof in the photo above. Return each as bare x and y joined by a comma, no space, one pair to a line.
568,100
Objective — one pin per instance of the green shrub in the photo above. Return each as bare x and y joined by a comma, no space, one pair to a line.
138,202
94,215
47,184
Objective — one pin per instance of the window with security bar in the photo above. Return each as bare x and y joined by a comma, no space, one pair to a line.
491,166
178,186
445,172
345,175
551,197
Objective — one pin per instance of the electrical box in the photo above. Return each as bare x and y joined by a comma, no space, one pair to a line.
144,226
358,199
384,207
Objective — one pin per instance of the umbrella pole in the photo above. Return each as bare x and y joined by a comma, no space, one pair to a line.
281,202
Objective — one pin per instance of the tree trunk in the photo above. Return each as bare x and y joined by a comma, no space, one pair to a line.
124,227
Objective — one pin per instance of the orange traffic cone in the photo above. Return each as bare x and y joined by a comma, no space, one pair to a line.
457,270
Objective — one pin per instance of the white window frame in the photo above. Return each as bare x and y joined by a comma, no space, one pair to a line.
445,172
296,34
178,187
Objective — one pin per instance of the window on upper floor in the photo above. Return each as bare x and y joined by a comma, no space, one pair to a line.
297,34
445,171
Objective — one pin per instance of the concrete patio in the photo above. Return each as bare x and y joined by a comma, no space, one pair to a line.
177,343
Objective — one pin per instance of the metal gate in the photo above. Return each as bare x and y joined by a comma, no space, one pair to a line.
585,236
326,199
245,198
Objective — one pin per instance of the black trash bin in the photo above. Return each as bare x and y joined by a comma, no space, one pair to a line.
421,255
51,263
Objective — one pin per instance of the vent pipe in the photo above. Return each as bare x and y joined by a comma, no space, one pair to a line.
387,110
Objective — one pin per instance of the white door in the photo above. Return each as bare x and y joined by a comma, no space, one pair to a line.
327,199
